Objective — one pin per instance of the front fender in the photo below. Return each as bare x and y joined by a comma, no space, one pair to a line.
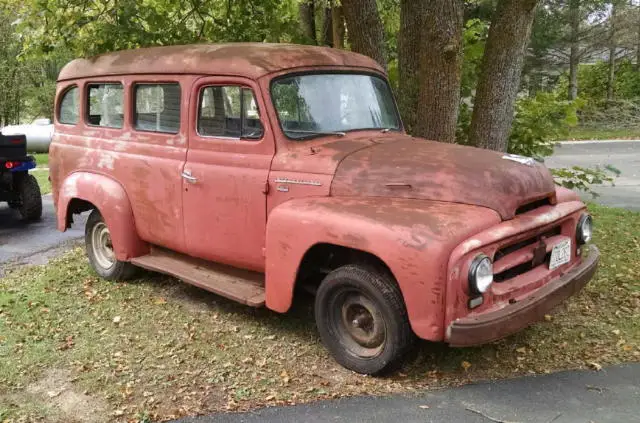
414,238
111,200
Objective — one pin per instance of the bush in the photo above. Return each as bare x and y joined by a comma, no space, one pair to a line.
538,121
582,179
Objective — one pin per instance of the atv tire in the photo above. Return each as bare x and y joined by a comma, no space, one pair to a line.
30,203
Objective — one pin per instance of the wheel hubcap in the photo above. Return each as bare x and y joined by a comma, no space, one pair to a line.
359,324
102,246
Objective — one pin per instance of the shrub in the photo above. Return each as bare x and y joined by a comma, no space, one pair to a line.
538,121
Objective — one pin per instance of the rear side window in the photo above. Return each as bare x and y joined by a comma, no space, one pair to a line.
68,112
229,112
106,105
157,107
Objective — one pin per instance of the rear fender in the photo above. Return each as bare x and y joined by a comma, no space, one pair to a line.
412,237
111,200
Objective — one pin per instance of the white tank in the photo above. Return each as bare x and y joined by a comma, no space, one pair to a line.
38,134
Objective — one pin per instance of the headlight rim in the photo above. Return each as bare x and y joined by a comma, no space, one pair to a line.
579,229
472,276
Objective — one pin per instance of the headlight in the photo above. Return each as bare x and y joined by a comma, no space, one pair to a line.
480,274
584,231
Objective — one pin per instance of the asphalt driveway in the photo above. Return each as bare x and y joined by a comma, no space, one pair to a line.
609,396
624,155
34,243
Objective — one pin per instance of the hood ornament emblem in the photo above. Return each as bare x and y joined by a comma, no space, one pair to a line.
520,159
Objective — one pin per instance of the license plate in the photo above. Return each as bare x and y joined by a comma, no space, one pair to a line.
561,254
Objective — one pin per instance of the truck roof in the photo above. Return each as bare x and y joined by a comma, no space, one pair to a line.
251,60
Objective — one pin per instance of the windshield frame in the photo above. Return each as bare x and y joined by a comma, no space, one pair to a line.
366,72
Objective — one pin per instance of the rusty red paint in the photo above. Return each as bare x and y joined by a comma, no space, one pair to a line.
425,209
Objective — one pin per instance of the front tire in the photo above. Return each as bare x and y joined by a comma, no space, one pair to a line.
100,250
30,199
362,319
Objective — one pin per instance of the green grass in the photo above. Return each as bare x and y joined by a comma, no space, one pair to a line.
42,159
582,133
158,348
43,180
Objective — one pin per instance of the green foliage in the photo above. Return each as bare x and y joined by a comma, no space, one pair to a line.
474,38
91,27
583,179
592,81
538,121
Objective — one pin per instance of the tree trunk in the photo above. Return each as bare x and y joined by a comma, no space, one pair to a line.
612,52
409,45
574,50
365,30
337,19
308,20
440,67
327,27
501,70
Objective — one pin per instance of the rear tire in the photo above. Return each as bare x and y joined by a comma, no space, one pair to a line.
362,319
101,253
30,199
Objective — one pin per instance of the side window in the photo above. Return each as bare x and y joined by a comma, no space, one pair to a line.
157,107
68,112
229,112
106,105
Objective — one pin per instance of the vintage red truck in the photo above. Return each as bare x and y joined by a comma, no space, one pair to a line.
255,170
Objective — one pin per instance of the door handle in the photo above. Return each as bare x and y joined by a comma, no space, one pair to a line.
186,175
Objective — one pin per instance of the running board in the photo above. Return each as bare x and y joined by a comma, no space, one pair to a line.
240,285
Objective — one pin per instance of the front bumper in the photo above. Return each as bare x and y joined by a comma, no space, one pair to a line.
494,325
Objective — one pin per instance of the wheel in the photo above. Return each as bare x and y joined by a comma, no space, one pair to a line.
100,250
362,319
30,199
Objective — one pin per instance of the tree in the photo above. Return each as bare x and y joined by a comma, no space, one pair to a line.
500,76
308,20
430,58
365,30
337,20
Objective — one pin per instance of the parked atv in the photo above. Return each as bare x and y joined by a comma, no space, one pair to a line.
17,187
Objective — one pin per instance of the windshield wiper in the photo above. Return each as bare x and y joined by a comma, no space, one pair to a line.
301,131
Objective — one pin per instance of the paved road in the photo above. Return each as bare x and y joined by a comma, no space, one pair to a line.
624,155
33,243
612,395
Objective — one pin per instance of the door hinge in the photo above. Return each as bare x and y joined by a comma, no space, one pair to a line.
265,189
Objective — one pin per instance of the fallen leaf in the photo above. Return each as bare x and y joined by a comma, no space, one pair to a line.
160,301
117,319
465,365
548,317
521,350
595,366
616,332
424,407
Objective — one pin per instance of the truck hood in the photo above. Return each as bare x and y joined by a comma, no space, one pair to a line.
415,168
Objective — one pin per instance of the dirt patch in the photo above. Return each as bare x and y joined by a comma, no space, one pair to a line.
56,390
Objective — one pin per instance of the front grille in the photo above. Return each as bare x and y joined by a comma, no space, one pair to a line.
525,267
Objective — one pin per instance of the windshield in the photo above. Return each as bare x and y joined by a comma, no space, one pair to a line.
319,104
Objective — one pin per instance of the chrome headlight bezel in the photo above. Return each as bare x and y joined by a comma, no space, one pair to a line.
480,283
584,229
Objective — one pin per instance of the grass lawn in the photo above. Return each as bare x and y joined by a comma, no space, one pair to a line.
43,180
42,159
582,133
76,348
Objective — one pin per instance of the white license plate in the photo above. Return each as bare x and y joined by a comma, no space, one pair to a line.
561,254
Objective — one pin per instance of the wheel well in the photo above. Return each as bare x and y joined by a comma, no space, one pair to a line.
77,206
321,259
